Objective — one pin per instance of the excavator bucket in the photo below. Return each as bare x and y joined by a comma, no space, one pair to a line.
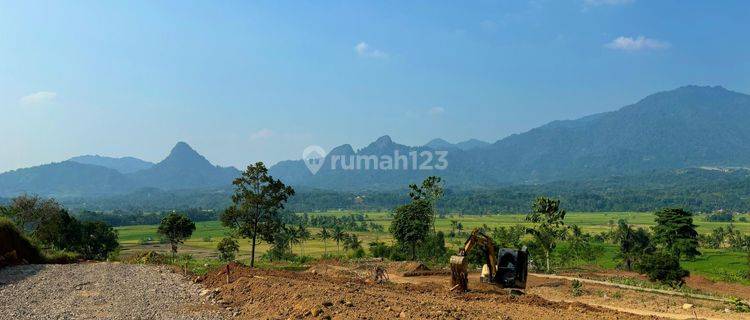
459,273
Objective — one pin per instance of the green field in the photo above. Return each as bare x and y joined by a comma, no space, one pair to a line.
715,264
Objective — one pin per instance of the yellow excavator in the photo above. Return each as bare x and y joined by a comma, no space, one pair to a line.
507,269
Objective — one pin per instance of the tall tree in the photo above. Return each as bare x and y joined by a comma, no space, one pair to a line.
549,226
302,235
338,235
675,232
324,235
411,224
256,203
633,244
177,228
431,191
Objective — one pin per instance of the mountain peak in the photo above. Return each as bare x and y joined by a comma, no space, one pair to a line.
439,143
184,155
384,140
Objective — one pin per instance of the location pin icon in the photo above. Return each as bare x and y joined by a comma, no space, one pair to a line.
313,156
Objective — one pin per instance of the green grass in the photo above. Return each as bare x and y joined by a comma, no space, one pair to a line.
722,265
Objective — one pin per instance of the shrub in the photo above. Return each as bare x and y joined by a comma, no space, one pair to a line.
15,248
576,288
663,267
228,248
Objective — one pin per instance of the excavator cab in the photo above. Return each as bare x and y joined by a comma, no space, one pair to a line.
507,269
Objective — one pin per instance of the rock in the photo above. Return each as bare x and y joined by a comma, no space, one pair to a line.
204,292
687,306
348,304
402,314
315,311
327,303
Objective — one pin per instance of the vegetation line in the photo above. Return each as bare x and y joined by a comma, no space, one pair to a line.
636,288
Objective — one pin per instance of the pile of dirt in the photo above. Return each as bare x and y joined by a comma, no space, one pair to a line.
145,257
263,294
15,248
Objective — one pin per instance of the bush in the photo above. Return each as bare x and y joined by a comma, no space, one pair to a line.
663,267
98,240
379,249
228,248
15,248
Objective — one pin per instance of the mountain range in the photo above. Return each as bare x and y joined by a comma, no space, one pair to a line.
689,127
87,176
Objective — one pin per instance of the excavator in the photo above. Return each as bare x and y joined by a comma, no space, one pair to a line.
508,269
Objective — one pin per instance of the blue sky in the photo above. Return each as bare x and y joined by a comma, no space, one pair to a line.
243,81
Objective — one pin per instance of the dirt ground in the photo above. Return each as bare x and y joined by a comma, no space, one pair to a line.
339,292
345,291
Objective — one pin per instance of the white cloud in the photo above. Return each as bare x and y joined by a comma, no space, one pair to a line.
635,44
364,50
436,111
596,3
262,134
38,98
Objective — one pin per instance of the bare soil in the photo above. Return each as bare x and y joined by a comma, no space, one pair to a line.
340,292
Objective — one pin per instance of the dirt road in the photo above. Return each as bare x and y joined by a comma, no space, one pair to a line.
100,291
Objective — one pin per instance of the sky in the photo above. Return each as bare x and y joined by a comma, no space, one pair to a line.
259,81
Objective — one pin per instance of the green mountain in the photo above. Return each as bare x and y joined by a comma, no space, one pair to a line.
184,168
687,127
123,165
64,179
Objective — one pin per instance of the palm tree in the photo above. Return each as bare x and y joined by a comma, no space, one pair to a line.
338,236
325,235
294,238
302,235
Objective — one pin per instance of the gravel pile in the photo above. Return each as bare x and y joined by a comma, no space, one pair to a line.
100,291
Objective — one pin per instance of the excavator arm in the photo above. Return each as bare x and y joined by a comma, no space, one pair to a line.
510,272
459,263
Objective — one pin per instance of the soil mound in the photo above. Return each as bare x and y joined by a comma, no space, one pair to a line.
15,248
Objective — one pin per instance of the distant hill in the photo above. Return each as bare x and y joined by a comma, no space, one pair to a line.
691,126
184,168
123,165
64,179
440,144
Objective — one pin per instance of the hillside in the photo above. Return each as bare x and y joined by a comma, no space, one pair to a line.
122,165
687,127
184,168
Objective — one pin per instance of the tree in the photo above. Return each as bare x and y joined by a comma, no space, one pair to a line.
302,235
663,267
549,225
256,202
176,228
509,237
411,224
634,244
338,236
460,228
352,242
453,228
98,240
28,211
431,191
675,232
324,235
228,248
